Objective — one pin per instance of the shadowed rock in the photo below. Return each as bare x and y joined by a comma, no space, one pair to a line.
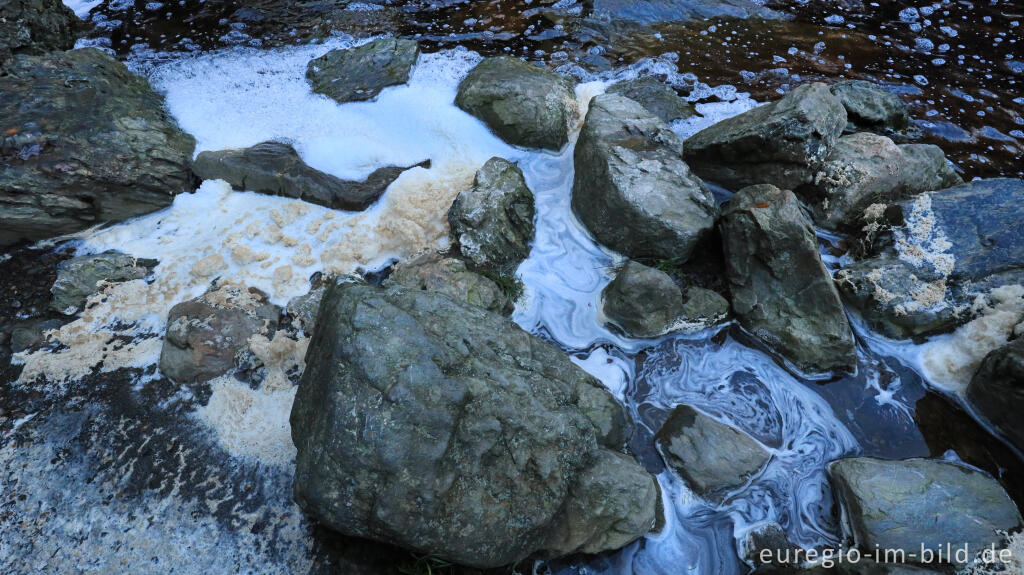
87,142
632,189
275,168
997,390
476,442
781,291
360,73
521,103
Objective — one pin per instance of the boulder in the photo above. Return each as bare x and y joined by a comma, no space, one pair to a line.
205,334
275,168
492,222
997,390
929,258
34,27
523,104
904,505
78,276
864,169
702,308
360,73
711,456
642,301
449,276
781,291
632,189
656,97
869,106
91,143
783,143
476,442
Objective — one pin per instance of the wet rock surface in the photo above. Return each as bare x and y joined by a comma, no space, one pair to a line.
632,190
655,11
506,434
523,104
915,502
864,169
782,143
78,276
492,223
869,106
656,97
642,301
205,335
781,291
711,456
934,257
34,27
87,142
997,390
360,73
275,168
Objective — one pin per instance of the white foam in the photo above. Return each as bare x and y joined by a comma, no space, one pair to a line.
81,8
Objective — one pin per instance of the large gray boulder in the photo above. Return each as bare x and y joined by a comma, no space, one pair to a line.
476,442
869,106
783,143
77,278
632,189
34,27
521,103
658,98
93,144
204,335
864,169
360,73
781,291
997,390
710,455
930,257
904,505
492,222
275,168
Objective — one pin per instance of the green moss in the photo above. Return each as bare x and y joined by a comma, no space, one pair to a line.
510,285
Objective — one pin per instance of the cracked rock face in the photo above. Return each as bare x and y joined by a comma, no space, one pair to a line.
515,450
632,189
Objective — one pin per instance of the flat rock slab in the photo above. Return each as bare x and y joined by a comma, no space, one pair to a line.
516,450
914,502
655,11
91,143
360,73
632,189
781,290
275,168
521,103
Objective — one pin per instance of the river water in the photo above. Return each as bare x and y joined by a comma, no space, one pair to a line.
238,91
